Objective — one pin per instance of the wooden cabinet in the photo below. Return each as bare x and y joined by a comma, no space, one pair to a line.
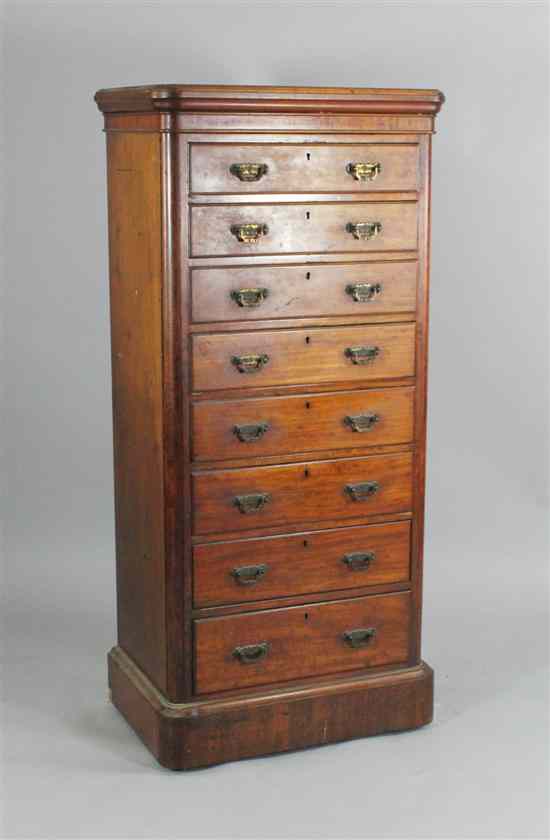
269,285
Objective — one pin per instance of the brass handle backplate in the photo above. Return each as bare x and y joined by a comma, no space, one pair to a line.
359,561
361,355
248,654
250,432
248,171
251,503
249,233
361,422
248,297
364,171
359,637
362,491
364,230
250,363
363,292
249,575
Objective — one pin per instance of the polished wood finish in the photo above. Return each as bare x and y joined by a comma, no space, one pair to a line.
136,340
295,168
301,642
302,228
304,563
302,424
186,736
182,474
310,492
303,356
301,291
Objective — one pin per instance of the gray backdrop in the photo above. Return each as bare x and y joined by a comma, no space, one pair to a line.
74,768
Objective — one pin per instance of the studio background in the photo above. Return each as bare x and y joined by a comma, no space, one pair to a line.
73,767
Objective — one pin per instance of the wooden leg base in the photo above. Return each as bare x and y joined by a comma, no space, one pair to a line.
185,736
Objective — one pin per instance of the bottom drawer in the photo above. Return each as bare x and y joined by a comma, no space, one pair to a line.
250,649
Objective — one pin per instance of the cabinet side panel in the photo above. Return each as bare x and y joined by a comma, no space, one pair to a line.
135,239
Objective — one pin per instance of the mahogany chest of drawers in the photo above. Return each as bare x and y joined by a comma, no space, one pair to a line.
269,254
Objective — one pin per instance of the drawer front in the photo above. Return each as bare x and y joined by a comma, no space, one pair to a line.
302,228
258,497
288,168
255,648
295,357
296,291
280,425
275,567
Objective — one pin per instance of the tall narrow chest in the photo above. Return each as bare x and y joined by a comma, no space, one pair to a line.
269,255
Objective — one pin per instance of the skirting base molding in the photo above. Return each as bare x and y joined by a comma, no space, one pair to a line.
185,736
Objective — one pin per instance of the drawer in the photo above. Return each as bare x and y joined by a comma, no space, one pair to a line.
258,497
217,229
279,425
295,357
292,168
297,291
287,644
320,561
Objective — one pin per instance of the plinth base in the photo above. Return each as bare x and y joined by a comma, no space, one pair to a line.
184,736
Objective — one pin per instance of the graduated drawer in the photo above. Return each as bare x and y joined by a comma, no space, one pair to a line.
302,228
287,644
279,425
291,168
320,561
257,497
293,357
296,291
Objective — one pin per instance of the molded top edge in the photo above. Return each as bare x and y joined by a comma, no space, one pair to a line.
258,98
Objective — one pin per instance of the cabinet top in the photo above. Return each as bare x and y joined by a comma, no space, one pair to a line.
260,98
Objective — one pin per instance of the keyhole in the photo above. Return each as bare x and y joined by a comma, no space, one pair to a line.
307,339
306,472
308,405
308,275
306,616
306,543
307,214
308,156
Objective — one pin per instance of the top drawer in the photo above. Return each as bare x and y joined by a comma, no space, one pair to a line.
292,168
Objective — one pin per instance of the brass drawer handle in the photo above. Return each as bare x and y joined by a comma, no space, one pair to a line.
361,355
359,561
363,292
360,637
248,171
364,230
248,654
361,422
364,171
249,575
250,432
250,363
249,233
251,503
248,297
362,491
